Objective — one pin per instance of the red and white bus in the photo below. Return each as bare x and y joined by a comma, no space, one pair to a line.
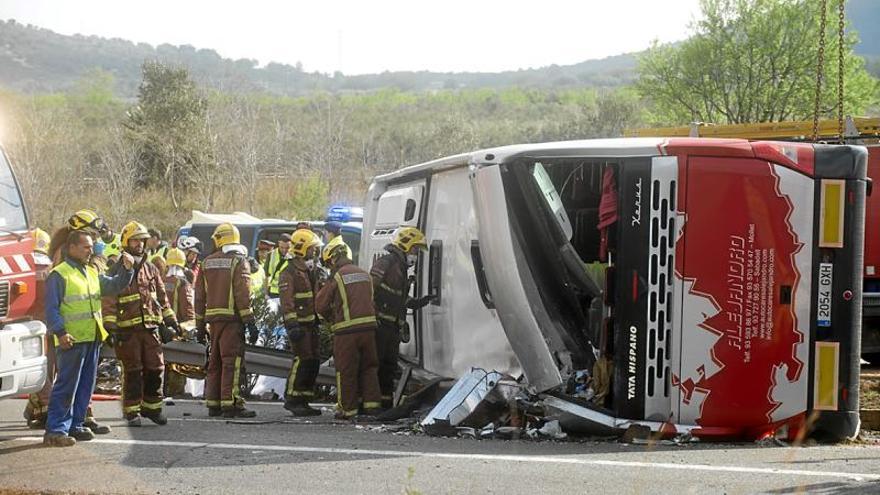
710,286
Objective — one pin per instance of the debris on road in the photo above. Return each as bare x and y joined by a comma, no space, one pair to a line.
476,399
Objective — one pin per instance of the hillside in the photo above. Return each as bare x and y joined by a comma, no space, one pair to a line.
864,18
39,60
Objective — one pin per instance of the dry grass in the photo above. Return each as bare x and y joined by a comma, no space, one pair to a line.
870,392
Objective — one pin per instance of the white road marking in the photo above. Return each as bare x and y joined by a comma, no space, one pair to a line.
486,457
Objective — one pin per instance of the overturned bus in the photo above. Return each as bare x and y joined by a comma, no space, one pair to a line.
709,286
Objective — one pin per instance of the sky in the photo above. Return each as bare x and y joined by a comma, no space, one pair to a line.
370,36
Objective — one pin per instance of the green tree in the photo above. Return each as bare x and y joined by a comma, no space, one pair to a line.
752,61
169,125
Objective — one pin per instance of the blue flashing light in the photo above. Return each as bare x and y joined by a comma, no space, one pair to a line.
343,213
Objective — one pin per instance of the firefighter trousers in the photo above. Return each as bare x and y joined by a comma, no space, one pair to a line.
357,381
225,373
143,365
387,348
306,362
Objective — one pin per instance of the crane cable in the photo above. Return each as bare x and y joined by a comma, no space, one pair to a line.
820,65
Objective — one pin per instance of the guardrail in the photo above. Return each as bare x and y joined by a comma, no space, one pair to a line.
258,360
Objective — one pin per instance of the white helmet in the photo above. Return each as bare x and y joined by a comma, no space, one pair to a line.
190,243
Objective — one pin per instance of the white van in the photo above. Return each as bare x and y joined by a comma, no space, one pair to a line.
721,296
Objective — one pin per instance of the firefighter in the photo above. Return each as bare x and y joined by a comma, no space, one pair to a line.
156,247
180,294
276,264
297,286
346,301
192,247
85,220
333,234
177,287
223,309
391,297
264,249
73,317
134,318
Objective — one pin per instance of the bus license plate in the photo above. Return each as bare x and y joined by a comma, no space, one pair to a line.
823,301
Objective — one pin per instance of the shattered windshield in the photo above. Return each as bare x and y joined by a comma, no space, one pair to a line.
551,196
12,215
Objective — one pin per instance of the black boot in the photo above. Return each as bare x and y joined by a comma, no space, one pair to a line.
239,412
299,406
97,428
213,412
155,416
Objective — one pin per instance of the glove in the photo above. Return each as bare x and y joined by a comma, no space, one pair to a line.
403,332
294,332
111,339
420,302
202,335
252,333
168,332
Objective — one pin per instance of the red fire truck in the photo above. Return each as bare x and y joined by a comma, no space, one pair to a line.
22,355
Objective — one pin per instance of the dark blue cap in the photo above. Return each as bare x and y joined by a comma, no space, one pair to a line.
333,227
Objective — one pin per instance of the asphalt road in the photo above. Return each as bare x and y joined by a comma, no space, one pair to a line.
278,454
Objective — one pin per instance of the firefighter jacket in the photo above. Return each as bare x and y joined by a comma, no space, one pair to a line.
143,304
180,294
223,289
346,300
297,287
390,285
275,265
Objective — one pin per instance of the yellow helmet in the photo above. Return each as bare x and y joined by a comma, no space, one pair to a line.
114,247
175,257
133,230
409,238
41,241
86,219
224,234
331,251
301,241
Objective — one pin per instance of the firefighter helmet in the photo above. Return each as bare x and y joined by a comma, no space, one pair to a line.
301,241
41,241
224,234
114,247
332,251
409,238
190,243
175,257
133,230
86,219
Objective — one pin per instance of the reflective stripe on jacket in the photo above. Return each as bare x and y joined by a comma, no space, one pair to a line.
347,299
274,267
81,305
180,294
143,304
390,285
223,289
297,294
